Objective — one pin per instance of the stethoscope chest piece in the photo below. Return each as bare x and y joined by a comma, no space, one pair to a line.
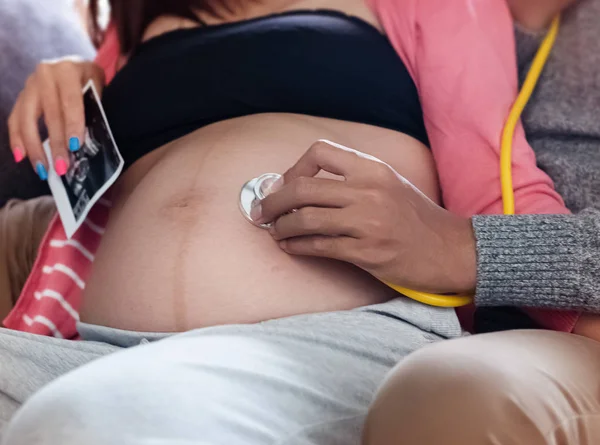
255,191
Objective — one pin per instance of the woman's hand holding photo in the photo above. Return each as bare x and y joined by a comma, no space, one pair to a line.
54,92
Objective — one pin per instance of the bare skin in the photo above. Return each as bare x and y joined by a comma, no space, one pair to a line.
177,254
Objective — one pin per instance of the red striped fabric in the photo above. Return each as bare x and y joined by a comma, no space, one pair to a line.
49,303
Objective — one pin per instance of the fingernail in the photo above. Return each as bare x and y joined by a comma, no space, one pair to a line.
60,165
41,171
256,213
275,186
74,144
18,154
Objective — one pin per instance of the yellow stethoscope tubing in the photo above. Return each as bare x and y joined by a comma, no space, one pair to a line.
506,181
537,66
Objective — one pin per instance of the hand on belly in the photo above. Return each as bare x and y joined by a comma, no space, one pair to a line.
177,253
375,219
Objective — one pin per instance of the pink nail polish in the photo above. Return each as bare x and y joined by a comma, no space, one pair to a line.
60,165
18,154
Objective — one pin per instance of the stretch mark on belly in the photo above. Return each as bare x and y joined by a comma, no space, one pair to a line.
184,210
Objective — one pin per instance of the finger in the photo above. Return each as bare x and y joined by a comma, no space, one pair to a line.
330,157
53,117
304,192
14,135
335,247
30,110
71,99
96,74
322,155
313,221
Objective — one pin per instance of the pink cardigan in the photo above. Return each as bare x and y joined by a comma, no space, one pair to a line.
461,56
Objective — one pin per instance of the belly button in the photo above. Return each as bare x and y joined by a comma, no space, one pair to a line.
181,204
184,206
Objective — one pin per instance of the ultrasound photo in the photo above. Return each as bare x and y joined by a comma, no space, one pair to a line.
93,168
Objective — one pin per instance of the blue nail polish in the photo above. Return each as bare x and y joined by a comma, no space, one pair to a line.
41,171
74,144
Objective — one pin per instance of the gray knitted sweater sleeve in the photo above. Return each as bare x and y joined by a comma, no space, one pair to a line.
553,261
550,261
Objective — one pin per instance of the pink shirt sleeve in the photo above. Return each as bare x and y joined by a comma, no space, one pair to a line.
461,55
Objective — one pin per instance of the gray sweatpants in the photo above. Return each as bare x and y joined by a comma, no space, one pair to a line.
307,379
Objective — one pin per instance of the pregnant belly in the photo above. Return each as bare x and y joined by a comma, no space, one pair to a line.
177,253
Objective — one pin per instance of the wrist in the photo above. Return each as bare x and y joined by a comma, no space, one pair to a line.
462,258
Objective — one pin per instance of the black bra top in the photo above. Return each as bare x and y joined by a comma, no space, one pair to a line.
320,63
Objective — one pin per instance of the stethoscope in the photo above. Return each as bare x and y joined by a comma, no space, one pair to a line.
256,189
